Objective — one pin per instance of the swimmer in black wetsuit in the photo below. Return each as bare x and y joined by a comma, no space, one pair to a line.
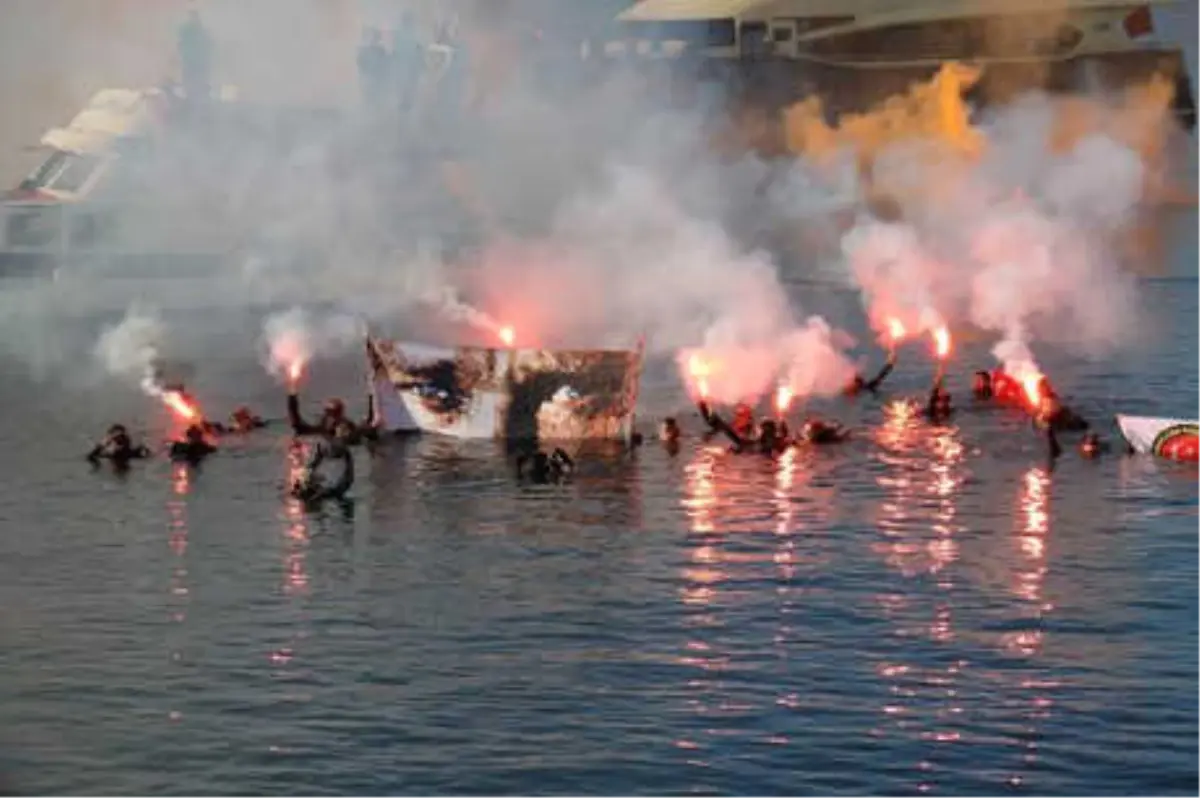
1092,447
939,407
669,435
334,447
819,433
333,413
858,385
981,388
1052,410
541,468
117,448
743,418
241,422
193,448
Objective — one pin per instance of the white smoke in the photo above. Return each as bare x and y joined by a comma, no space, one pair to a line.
1021,242
132,348
294,337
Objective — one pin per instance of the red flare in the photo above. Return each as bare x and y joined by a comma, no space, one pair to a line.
699,370
941,338
508,336
1031,382
783,398
895,330
180,406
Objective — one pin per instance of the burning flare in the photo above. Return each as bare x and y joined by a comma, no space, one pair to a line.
896,330
295,370
1031,381
175,401
783,398
507,335
699,371
941,340
179,406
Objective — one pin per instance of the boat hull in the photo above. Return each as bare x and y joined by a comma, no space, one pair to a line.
1172,438
772,84
516,394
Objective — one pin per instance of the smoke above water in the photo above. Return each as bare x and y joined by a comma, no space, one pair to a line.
604,215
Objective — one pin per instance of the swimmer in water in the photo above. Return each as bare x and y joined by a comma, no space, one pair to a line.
193,448
981,388
1052,410
333,413
743,417
669,435
241,422
542,469
333,447
117,448
857,385
772,437
743,421
939,407
815,432
1054,448
1092,447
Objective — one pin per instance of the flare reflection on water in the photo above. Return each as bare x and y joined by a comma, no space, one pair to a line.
177,529
296,527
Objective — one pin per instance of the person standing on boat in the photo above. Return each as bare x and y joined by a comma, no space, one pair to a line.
408,60
195,58
372,68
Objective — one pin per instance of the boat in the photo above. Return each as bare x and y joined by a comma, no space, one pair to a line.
122,181
512,394
1172,438
853,54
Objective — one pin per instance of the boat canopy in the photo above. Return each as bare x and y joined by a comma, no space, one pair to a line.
867,13
111,114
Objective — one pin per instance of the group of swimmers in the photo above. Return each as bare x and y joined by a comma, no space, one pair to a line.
337,432
772,436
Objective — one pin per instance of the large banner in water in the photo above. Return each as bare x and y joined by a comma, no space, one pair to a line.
475,392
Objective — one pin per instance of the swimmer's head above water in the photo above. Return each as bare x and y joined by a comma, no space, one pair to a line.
743,420
668,431
982,385
334,410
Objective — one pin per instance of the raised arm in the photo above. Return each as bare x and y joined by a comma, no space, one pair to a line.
297,422
873,384
718,424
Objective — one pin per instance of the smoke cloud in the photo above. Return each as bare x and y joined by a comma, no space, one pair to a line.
578,206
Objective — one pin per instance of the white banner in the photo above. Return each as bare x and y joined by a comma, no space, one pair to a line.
474,392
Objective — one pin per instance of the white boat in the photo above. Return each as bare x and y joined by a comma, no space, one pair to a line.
479,392
1172,438
854,53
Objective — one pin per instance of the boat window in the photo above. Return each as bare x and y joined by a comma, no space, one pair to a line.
1024,36
33,228
75,174
810,24
47,171
753,39
698,32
